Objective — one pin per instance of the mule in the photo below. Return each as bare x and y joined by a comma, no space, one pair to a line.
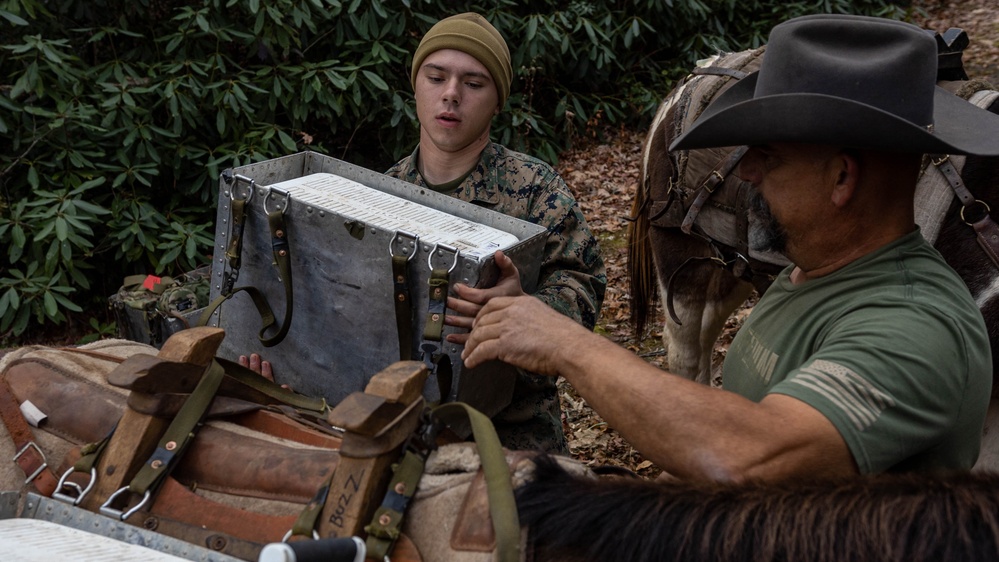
690,217
889,517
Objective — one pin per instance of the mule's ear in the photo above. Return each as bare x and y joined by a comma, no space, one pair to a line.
846,166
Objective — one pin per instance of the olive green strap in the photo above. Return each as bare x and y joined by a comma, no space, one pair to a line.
253,380
282,259
305,524
431,348
91,452
387,522
267,318
180,432
434,327
234,250
71,492
403,306
170,448
502,505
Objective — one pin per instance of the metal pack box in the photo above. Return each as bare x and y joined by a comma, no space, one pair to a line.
344,223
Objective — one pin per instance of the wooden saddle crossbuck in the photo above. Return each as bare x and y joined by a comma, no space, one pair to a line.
194,447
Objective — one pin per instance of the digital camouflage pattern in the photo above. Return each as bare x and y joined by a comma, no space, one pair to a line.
572,278
190,294
152,315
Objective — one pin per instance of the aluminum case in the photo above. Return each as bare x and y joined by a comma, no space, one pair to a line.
343,328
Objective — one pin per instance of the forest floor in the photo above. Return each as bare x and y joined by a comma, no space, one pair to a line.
604,175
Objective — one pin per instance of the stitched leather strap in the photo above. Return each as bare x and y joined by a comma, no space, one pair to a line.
707,188
986,230
988,237
29,458
403,306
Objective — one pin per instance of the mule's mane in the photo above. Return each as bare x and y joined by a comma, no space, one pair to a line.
953,516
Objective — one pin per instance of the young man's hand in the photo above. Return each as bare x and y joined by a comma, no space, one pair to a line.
467,301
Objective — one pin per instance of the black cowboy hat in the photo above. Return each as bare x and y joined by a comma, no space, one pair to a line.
850,81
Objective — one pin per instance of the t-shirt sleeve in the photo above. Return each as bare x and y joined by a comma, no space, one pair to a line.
891,381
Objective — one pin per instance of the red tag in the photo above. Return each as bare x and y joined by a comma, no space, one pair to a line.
151,282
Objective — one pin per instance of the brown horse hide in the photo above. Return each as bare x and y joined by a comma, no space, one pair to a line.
891,517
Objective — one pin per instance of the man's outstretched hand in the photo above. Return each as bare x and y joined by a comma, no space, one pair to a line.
524,332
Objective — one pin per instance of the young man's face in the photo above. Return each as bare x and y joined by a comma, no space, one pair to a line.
456,99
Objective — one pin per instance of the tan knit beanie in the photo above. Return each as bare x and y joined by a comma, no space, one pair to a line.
469,33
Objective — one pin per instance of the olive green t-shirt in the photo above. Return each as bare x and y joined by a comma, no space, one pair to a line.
891,349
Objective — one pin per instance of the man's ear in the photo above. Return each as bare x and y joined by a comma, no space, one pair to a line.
847,170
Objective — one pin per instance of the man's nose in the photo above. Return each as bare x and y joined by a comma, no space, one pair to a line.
452,92
750,167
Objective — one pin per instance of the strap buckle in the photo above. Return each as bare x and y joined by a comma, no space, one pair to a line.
423,441
24,449
80,492
121,514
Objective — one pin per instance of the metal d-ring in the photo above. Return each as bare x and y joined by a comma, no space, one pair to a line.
739,265
416,243
249,193
315,536
430,258
118,514
980,202
80,492
287,199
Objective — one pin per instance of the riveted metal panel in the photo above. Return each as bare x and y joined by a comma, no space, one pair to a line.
49,529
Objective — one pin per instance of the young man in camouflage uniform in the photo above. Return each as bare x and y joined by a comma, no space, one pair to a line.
461,77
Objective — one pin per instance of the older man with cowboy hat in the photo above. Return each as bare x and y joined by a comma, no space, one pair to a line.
867,354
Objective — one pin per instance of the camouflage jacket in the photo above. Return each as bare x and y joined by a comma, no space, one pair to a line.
572,278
